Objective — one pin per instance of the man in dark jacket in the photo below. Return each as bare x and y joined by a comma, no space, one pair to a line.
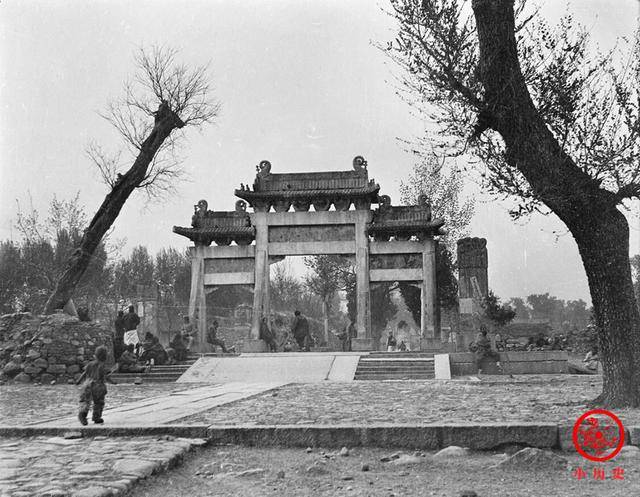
131,321
300,331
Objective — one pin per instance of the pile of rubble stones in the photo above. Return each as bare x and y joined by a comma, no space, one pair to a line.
46,349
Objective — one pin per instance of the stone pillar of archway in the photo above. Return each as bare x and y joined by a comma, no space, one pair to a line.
363,294
430,317
198,299
261,284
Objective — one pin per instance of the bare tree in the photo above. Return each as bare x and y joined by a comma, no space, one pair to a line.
549,124
163,98
442,185
324,283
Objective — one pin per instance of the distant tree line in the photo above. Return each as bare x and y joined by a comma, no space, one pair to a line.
561,315
31,265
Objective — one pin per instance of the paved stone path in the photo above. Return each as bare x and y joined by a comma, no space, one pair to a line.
27,404
545,398
93,467
176,405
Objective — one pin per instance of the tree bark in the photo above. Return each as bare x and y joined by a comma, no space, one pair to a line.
165,122
589,212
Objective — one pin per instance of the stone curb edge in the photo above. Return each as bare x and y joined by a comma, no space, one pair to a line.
182,431
473,436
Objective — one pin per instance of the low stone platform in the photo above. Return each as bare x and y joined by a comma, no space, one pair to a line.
282,367
530,362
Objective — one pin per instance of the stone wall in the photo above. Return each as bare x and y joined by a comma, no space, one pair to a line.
530,362
43,349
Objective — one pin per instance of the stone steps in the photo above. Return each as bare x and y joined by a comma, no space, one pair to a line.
165,374
397,369
400,355
395,366
145,377
158,374
387,377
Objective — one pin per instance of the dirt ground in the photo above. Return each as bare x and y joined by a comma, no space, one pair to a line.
251,472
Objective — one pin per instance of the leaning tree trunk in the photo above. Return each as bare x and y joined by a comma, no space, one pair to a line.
165,122
590,212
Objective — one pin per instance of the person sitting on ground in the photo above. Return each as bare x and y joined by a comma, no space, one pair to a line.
391,342
591,359
178,348
187,332
556,343
286,343
154,352
402,347
483,350
212,338
128,361
267,335
531,343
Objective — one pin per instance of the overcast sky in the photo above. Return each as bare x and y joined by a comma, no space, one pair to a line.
300,85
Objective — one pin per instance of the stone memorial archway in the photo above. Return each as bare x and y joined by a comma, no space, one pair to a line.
391,243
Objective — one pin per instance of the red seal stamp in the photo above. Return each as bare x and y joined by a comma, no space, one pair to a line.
598,435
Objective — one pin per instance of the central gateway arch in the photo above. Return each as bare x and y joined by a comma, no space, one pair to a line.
390,243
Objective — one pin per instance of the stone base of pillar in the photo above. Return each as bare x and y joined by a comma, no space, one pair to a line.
362,344
414,342
199,348
431,344
252,345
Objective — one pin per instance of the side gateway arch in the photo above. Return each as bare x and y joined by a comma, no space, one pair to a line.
390,243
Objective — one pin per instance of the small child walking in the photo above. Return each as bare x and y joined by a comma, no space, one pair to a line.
93,388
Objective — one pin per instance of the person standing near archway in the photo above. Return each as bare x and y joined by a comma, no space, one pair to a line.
131,321
300,331
267,335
